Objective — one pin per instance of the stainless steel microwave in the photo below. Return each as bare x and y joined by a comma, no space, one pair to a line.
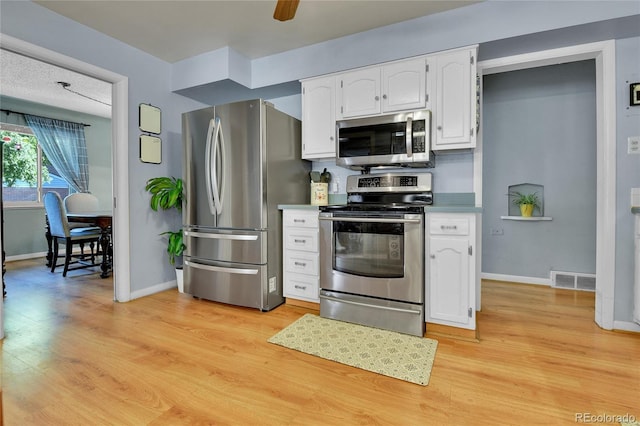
401,140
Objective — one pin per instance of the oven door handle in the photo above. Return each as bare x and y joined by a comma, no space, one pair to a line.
386,308
369,220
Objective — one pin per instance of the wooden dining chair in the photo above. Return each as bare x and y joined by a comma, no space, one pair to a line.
62,233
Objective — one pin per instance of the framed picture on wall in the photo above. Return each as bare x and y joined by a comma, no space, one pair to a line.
149,119
634,94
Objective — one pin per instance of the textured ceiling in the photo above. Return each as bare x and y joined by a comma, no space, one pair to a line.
36,81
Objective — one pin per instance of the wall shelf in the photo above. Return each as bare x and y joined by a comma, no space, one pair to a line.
530,219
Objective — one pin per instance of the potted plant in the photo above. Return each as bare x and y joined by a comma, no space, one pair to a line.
527,202
167,194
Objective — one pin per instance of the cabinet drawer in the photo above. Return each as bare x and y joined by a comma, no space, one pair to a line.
303,286
301,239
301,262
449,226
300,219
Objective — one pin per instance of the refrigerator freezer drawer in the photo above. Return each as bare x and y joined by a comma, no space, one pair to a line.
227,245
236,284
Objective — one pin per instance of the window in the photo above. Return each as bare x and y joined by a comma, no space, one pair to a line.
26,172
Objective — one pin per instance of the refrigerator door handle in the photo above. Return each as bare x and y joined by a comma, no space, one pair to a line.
218,188
243,271
221,236
223,167
208,164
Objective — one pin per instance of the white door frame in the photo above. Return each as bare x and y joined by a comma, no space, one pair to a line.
604,55
119,153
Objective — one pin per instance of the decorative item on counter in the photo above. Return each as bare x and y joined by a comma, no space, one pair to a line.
320,187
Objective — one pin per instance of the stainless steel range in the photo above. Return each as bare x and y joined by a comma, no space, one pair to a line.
372,252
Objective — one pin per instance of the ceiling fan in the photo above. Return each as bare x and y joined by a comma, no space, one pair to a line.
285,10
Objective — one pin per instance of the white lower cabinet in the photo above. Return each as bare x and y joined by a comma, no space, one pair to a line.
451,269
301,272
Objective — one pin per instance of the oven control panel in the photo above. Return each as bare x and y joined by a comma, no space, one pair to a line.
387,182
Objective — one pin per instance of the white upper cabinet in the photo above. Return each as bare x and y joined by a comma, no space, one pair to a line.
443,82
452,83
403,85
319,118
359,93
397,86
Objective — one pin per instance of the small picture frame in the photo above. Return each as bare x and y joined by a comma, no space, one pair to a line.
150,149
634,94
150,119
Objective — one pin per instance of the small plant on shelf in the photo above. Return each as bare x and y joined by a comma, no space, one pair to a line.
527,202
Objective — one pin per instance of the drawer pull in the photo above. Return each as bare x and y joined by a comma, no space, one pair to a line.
300,264
300,287
299,220
299,241
453,227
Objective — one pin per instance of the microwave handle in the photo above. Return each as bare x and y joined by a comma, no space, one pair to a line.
409,136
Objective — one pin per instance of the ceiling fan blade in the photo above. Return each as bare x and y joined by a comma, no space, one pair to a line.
285,9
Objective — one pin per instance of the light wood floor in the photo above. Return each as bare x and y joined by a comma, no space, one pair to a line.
73,357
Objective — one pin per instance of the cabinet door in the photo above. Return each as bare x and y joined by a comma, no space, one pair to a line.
318,118
359,93
449,285
403,85
455,102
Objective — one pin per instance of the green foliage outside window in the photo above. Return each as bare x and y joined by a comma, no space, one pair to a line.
20,159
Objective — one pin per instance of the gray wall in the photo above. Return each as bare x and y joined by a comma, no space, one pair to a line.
24,227
539,126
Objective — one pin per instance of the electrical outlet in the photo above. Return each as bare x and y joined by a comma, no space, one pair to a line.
272,284
633,145
497,231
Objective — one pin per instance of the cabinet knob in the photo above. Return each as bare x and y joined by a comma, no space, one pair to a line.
330,138
384,96
377,98
433,256
439,127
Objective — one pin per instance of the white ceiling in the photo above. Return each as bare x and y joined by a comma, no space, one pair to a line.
179,29
173,30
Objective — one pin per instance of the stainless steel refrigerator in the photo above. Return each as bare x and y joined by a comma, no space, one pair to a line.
241,161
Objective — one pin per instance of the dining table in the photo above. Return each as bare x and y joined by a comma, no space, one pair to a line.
101,219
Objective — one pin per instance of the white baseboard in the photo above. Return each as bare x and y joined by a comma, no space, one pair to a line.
626,326
154,289
27,256
516,279
43,254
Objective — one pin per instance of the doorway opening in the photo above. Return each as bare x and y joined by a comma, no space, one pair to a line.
603,55
119,150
